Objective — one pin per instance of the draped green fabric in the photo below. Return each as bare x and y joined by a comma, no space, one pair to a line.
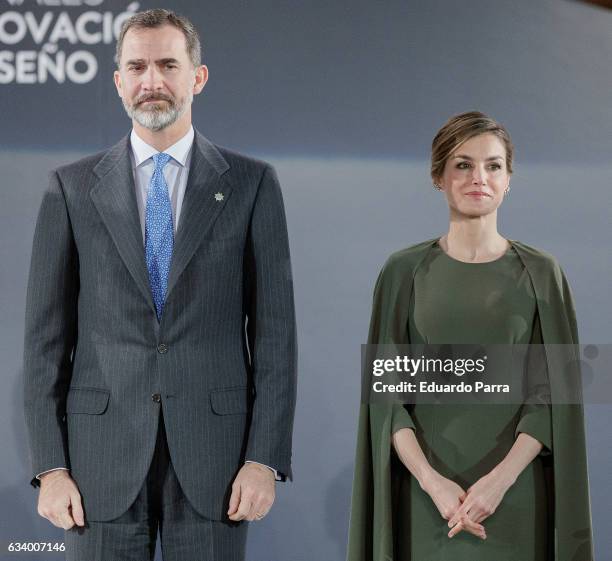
375,485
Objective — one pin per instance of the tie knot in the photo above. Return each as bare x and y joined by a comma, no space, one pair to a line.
160,160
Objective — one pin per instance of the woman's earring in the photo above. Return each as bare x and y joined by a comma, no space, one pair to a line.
506,191
437,187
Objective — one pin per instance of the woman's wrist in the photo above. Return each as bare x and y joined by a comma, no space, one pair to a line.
524,450
427,478
505,473
409,452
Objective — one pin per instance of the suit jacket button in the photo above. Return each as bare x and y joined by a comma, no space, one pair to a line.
156,397
162,348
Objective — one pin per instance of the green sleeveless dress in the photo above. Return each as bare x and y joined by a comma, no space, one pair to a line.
467,303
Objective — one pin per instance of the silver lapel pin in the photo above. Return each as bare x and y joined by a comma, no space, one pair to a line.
218,197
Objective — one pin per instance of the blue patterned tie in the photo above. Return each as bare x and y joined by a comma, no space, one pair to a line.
159,233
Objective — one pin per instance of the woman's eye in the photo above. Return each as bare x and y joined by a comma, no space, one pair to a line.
495,166
463,165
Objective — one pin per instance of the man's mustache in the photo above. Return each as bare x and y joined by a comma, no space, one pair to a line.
154,97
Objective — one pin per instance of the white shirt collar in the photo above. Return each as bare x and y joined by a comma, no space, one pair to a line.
179,151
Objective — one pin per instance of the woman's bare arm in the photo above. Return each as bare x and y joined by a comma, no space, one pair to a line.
445,494
486,494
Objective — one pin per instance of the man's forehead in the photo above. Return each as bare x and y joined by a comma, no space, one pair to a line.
166,38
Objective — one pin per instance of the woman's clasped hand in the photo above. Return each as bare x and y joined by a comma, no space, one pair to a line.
465,510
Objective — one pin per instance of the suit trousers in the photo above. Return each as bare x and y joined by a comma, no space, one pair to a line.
160,505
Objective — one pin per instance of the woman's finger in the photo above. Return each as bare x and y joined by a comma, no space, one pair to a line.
461,511
469,526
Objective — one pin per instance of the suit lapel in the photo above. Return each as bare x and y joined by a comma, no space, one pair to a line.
114,197
205,196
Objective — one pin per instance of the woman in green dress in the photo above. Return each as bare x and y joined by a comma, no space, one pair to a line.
474,482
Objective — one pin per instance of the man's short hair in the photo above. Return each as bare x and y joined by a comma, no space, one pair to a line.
157,17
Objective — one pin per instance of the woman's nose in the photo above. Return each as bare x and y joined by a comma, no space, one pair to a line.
479,175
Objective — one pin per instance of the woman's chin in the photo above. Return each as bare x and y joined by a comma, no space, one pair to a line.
474,211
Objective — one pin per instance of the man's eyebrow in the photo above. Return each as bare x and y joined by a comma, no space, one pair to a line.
159,61
466,157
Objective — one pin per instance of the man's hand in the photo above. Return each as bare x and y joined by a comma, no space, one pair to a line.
448,496
59,500
252,493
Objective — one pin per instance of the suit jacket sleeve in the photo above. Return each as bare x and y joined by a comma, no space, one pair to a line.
50,331
271,329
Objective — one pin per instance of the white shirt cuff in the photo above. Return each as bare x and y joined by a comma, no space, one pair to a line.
276,476
49,471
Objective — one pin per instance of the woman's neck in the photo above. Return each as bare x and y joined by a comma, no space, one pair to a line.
474,239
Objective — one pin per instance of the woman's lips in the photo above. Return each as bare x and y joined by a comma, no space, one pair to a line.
477,194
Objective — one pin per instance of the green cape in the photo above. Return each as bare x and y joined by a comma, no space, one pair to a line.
372,508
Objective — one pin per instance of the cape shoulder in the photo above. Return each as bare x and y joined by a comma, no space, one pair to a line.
539,261
404,262
406,258
552,292
395,282
392,295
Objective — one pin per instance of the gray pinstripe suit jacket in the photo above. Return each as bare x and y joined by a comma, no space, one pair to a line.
223,357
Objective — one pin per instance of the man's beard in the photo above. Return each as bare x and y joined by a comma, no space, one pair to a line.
157,117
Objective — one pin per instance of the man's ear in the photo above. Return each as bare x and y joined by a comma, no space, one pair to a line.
201,77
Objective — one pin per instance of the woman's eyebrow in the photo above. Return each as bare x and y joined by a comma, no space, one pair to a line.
466,157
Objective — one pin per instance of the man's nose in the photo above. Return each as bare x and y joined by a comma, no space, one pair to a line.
152,78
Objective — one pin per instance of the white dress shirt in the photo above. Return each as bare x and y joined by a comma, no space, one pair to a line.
175,174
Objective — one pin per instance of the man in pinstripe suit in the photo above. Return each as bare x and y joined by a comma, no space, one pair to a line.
160,347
